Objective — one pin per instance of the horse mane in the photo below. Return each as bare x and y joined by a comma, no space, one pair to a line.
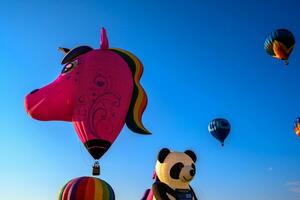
139,97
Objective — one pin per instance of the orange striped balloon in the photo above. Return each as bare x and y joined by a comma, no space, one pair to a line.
297,126
297,131
87,188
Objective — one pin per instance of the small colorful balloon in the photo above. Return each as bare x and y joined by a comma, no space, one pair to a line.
87,188
219,128
297,126
280,44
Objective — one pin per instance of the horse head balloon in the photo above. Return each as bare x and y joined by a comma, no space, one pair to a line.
98,90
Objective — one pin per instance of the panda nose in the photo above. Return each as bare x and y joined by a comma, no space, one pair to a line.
192,172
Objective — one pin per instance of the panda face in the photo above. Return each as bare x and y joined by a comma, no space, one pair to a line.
182,172
176,169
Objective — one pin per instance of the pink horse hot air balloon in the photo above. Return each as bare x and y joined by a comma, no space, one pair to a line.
98,90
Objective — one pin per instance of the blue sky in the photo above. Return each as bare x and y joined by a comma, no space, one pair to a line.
202,59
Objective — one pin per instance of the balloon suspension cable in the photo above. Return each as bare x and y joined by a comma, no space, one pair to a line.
96,168
86,162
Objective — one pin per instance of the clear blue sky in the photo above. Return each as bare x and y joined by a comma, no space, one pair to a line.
202,59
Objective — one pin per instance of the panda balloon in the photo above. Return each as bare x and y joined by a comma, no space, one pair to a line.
173,173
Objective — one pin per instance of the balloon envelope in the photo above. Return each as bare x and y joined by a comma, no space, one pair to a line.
86,188
219,128
297,126
98,90
280,44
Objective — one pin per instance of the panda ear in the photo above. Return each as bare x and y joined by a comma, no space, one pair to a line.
191,154
163,154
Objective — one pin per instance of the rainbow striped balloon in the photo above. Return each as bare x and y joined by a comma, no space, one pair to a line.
297,126
87,188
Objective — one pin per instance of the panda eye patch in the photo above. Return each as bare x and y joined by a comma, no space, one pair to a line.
175,170
193,166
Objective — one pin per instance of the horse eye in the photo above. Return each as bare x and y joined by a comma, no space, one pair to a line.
68,67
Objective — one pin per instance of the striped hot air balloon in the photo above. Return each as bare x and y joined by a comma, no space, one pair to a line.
280,44
87,188
297,126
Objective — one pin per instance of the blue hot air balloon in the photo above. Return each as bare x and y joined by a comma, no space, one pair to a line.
219,128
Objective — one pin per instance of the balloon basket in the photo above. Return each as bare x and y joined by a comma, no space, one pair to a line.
286,62
96,169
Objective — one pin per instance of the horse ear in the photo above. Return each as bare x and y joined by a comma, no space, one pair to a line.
104,40
64,50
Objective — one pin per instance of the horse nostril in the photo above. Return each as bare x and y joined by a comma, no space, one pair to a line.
192,172
34,91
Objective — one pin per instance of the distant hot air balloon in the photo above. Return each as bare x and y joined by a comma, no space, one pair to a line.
87,188
220,129
280,44
297,126
99,91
